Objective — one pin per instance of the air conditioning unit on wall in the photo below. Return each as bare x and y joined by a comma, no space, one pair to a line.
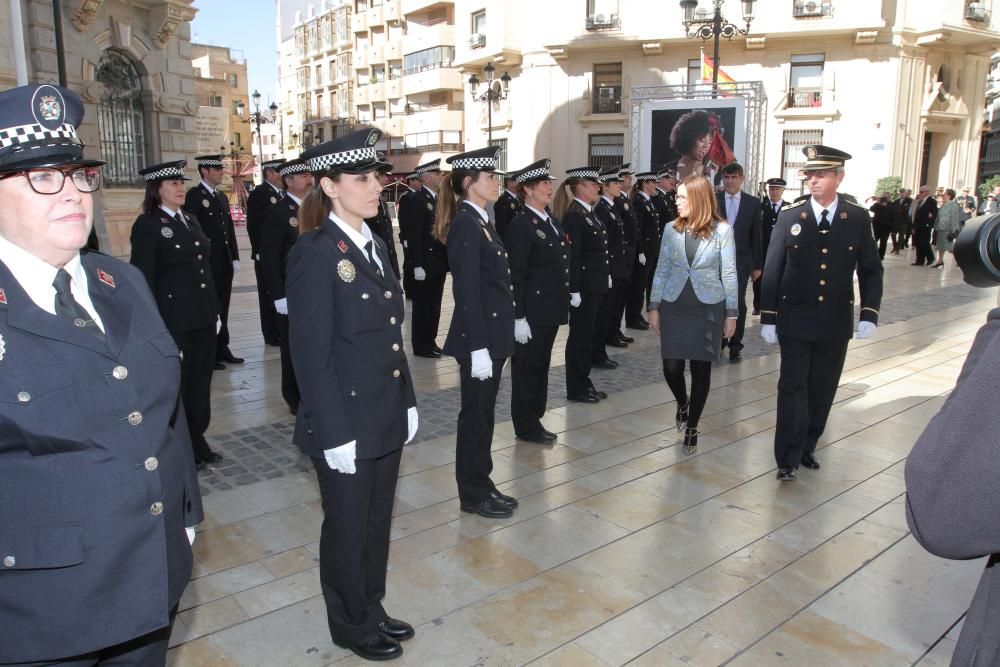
812,8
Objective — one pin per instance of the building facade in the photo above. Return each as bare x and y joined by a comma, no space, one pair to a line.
897,83
130,62
221,89
989,157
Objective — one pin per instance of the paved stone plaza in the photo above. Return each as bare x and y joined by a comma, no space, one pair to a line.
623,550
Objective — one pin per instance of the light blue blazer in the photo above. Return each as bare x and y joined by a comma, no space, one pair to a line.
712,273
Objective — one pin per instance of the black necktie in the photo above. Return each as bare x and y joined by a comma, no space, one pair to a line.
180,219
371,258
824,224
69,308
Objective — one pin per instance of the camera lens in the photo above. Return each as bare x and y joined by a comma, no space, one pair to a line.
977,251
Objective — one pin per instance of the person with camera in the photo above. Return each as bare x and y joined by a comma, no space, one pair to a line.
807,302
947,226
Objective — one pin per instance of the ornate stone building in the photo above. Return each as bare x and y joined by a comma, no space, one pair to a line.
130,61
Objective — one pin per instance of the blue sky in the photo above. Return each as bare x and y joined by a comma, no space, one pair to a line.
244,26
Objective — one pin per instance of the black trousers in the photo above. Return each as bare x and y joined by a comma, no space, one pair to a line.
354,545
736,342
224,291
197,365
756,295
149,650
268,315
427,296
580,343
616,306
289,387
529,377
807,384
635,293
474,439
883,243
602,328
407,274
922,242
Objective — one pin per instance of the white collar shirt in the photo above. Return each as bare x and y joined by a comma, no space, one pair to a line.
587,207
208,187
830,210
480,210
359,239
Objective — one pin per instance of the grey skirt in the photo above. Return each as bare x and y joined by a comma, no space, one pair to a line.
690,329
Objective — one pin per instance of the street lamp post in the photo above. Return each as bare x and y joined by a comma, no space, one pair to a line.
697,24
281,130
489,95
256,117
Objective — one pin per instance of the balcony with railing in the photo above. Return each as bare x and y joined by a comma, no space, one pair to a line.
805,98
427,35
393,89
439,77
375,16
376,53
435,141
393,50
359,22
603,22
977,12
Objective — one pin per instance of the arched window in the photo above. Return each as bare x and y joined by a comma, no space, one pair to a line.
120,120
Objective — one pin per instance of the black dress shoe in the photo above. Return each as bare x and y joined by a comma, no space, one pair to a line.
509,501
488,508
550,434
641,325
436,348
379,647
809,461
597,394
273,342
917,264
626,339
293,408
604,364
786,474
428,354
583,398
616,342
734,355
202,462
755,312
396,629
219,366
539,438
229,358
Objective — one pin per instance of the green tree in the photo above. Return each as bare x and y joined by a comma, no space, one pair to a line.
987,187
888,184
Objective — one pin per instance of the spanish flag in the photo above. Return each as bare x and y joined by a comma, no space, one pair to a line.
707,65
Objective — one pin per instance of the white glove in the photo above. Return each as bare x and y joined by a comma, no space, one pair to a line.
218,324
342,458
642,259
281,305
482,365
236,265
404,245
522,331
769,333
419,273
575,300
257,257
865,330
190,534
609,282
411,424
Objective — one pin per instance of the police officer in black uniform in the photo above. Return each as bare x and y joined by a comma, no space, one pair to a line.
619,270
96,476
358,409
211,208
381,224
429,259
481,335
279,233
261,197
172,251
539,271
623,207
507,205
769,209
807,302
412,185
589,276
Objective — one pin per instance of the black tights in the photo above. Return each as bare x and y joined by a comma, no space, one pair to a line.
701,382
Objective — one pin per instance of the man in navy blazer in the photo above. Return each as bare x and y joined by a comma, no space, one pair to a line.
742,211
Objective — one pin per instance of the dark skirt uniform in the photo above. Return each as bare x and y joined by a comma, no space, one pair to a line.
279,233
768,218
538,256
808,292
483,320
417,222
212,212
95,465
173,254
347,347
506,207
262,197
604,326
588,276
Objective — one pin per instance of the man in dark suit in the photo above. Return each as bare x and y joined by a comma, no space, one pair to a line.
506,206
381,224
901,220
263,196
807,303
429,258
99,491
742,211
211,208
412,185
924,214
769,210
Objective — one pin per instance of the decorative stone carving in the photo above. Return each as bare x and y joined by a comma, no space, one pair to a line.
85,14
167,16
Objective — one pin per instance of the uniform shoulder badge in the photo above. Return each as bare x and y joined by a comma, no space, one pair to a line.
625,204
274,200
167,232
346,270
204,202
800,202
342,245
796,229
106,278
803,216
293,222
540,233
843,215
513,206
430,206
3,297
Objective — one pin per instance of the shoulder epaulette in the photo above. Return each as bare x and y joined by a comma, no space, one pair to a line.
801,202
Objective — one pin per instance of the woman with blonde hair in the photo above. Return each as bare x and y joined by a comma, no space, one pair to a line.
694,298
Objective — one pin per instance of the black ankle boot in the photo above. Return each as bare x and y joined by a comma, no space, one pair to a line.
682,416
690,440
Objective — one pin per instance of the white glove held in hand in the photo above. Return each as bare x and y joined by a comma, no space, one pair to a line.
419,273
642,259
522,331
190,534
281,305
769,333
342,458
411,424
609,282
865,330
575,300
236,265
482,365
218,324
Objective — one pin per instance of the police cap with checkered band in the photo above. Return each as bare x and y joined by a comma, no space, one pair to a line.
38,128
481,159
165,171
352,153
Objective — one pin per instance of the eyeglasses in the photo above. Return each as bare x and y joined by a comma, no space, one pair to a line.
50,181
818,173
680,198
